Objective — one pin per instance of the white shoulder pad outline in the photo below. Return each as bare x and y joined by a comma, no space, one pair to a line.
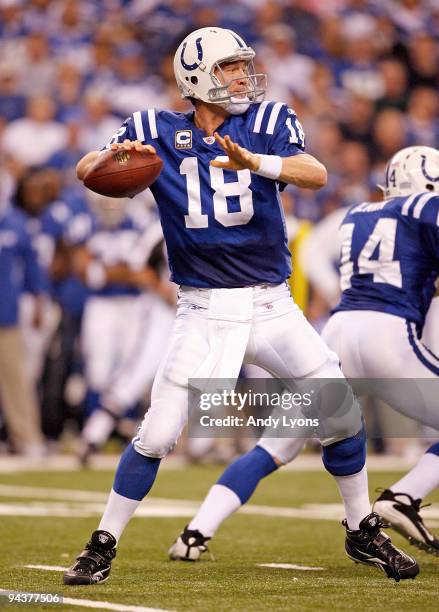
410,209
152,123
274,113
297,135
260,116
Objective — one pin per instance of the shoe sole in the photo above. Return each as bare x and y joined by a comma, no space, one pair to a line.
74,581
431,550
394,518
384,568
377,565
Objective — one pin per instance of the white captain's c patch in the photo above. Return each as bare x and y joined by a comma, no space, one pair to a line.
183,139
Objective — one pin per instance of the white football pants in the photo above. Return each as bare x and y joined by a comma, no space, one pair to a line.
376,345
123,341
430,333
280,340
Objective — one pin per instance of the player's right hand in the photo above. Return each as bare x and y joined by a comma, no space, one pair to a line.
128,145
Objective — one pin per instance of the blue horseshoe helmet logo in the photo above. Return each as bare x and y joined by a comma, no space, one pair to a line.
433,179
195,65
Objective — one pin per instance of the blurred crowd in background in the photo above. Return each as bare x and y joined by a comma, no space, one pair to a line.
362,76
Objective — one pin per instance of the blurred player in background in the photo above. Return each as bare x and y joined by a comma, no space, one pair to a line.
221,217
68,296
128,317
36,189
389,263
19,270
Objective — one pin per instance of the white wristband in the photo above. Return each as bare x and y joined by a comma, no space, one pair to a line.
95,275
270,166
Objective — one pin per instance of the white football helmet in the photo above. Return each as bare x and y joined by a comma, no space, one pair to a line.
201,53
412,170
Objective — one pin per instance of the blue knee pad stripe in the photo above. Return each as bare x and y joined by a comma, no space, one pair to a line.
244,474
347,456
135,474
434,449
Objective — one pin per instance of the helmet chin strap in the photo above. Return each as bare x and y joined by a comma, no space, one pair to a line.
237,106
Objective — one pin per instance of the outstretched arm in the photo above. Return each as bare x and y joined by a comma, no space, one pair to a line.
302,170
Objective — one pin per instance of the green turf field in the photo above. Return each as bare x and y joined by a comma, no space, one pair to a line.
142,575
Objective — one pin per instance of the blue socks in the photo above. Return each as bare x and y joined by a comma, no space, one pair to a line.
434,449
244,474
347,456
135,474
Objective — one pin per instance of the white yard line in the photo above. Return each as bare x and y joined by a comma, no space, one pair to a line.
49,493
303,568
83,510
304,463
103,605
69,463
79,503
78,495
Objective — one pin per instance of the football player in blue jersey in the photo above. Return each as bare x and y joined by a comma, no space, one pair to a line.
389,263
218,199
116,254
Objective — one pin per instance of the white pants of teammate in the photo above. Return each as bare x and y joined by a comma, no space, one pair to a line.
377,345
430,333
123,341
37,339
281,341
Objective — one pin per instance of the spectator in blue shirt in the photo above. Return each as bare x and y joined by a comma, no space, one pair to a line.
18,268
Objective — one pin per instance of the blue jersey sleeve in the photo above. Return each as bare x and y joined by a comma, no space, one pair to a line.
431,240
428,210
424,208
79,229
34,279
141,125
288,136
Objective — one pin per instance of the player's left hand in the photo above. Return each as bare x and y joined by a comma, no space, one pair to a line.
239,157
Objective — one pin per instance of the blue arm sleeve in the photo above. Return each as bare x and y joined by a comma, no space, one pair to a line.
34,277
288,136
428,215
431,240
126,131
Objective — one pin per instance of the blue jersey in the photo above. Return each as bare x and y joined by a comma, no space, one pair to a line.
390,256
56,221
19,269
222,228
130,242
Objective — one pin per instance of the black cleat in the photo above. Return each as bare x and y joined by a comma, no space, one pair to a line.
370,546
189,546
85,454
401,511
93,565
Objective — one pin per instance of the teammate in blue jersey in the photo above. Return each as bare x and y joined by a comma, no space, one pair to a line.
70,294
389,264
218,199
19,271
389,261
116,255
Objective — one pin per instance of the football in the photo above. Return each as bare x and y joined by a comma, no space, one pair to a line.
123,174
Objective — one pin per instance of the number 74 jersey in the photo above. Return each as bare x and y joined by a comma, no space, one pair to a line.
390,256
222,228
